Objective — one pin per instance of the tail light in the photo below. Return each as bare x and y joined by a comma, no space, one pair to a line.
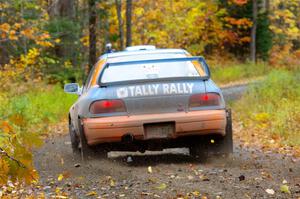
205,99
107,106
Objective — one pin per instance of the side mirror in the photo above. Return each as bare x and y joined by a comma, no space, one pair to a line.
72,88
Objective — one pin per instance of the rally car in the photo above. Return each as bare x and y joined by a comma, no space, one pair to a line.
145,98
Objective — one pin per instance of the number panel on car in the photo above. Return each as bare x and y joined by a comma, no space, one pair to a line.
159,130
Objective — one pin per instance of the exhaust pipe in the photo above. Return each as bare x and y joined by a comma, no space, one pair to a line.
127,138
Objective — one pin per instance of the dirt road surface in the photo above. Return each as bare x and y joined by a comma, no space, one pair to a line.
249,173
245,175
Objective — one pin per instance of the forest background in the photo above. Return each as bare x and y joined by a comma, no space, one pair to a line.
46,43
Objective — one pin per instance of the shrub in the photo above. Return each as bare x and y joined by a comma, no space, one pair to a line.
25,114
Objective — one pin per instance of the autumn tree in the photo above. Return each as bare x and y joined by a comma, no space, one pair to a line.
247,25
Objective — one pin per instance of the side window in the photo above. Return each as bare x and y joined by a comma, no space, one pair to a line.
93,75
88,80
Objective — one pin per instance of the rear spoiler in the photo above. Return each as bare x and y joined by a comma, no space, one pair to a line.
195,58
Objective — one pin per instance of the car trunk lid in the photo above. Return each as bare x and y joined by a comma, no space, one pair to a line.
163,97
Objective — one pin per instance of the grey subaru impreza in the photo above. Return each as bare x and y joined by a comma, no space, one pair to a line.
145,98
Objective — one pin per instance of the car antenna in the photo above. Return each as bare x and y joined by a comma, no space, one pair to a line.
108,48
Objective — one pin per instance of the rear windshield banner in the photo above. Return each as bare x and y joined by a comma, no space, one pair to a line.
155,89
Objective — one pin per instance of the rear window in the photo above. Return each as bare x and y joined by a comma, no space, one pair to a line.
157,70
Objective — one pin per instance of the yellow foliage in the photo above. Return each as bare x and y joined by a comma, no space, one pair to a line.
5,27
85,41
284,56
44,43
68,64
245,39
28,33
57,41
4,169
239,22
27,66
17,25
262,117
284,22
5,127
43,36
12,35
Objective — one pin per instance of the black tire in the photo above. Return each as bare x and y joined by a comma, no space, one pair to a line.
74,139
227,141
216,145
224,145
86,150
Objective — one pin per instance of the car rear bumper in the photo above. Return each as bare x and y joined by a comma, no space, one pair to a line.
112,129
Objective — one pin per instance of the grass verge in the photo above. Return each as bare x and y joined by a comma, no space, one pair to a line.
269,113
224,74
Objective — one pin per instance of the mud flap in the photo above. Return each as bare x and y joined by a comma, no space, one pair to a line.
87,151
214,145
225,144
74,139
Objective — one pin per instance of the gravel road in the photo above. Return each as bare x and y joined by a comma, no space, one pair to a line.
168,174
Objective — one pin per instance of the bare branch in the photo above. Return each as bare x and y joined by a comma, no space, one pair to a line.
5,154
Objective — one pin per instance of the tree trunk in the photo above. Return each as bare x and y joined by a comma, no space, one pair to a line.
128,22
58,10
267,6
92,33
253,32
62,8
120,20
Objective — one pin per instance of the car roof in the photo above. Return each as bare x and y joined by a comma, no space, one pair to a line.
144,54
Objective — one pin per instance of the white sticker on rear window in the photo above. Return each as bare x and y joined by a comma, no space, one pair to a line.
155,89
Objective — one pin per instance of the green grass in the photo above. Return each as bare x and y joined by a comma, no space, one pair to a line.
40,104
223,74
273,107
30,110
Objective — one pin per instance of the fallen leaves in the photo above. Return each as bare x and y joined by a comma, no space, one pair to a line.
91,193
60,177
196,193
270,191
162,186
204,178
285,189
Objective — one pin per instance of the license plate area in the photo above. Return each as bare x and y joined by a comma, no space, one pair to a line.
159,130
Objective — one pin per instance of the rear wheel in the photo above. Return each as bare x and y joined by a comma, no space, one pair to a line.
86,150
215,145
74,139
225,144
